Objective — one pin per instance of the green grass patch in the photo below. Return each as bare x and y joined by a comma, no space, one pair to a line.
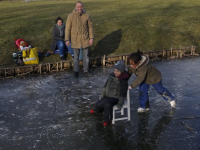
119,26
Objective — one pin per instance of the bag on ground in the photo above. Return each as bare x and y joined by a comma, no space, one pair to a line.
30,56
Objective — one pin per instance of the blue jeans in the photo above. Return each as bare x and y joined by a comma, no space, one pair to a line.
61,47
70,50
143,93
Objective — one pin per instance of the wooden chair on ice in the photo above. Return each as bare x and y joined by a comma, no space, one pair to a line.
125,106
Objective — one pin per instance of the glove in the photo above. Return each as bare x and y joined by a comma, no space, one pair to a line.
129,87
103,91
120,102
100,97
119,106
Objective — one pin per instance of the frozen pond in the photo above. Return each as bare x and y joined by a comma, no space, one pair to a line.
52,112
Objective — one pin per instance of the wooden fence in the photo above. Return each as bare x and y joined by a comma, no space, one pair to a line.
105,60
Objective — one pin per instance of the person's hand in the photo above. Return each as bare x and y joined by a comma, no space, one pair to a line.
129,87
91,42
67,43
100,97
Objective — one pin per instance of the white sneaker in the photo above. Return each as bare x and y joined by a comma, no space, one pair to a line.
141,110
173,104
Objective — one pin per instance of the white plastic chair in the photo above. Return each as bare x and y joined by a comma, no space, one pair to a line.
127,106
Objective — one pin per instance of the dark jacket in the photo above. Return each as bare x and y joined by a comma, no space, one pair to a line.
56,37
116,87
145,73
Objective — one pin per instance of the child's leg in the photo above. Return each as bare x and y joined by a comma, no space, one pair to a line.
163,91
143,95
99,107
108,108
61,47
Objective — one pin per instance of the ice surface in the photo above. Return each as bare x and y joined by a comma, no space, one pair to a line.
53,112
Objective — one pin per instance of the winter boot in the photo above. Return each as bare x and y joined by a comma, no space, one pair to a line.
173,104
76,74
62,58
141,110
87,73
106,123
92,111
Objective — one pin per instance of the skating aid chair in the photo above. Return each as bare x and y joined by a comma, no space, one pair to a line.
127,106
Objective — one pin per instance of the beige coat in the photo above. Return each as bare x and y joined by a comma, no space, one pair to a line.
145,72
79,29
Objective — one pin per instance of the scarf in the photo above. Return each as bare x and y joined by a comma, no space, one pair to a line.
61,29
82,11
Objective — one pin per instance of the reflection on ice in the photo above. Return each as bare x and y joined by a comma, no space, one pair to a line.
53,112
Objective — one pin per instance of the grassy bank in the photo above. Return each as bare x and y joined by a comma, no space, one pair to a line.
119,26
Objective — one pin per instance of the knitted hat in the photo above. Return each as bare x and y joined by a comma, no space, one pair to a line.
120,65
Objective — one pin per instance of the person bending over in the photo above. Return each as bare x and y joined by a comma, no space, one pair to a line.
147,75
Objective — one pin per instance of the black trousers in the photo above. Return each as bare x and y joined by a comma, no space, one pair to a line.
105,105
